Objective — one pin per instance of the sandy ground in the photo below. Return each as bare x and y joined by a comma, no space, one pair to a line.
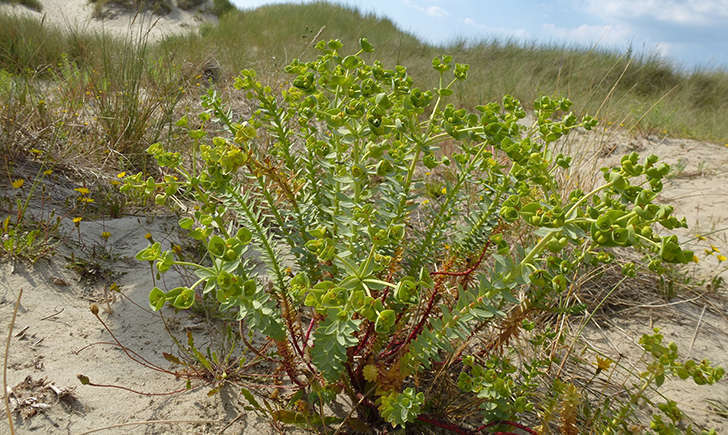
54,322
45,345
76,15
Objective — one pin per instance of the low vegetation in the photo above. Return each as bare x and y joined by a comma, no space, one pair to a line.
161,7
418,233
32,4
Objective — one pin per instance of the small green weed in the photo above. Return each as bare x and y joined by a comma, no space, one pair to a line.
23,236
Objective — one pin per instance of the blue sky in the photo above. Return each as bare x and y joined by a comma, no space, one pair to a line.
688,33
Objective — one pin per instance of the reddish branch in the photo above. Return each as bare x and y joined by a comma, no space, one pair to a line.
84,380
508,423
257,352
435,293
308,332
469,270
460,430
443,424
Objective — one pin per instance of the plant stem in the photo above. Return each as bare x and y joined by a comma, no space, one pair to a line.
6,394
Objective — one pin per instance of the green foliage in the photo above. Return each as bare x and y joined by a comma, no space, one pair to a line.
23,237
325,182
401,408
664,362
159,7
507,392
221,7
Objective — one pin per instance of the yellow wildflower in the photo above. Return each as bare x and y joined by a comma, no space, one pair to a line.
105,235
148,236
721,258
87,199
714,248
77,220
82,190
699,237
121,174
603,363
444,190
425,202
17,184
428,173
48,172
696,259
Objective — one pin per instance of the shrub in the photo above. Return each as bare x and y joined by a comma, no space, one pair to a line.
373,285
159,7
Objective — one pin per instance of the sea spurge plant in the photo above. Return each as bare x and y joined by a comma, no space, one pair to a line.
366,284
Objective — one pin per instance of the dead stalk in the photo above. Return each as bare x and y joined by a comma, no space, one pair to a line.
133,423
6,393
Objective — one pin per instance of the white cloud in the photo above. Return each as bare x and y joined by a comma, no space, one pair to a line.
685,12
433,11
436,11
608,34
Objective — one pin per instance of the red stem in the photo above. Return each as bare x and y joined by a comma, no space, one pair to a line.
443,425
415,332
509,423
430,304
169,393
471,269
308,332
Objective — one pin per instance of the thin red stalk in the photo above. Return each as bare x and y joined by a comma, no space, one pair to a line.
111,343
443,424
469,270
289,325
350,372
141,360
364,341
169,393
132,301
418,328
509,423
292,331
430,304
250,346
308,332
